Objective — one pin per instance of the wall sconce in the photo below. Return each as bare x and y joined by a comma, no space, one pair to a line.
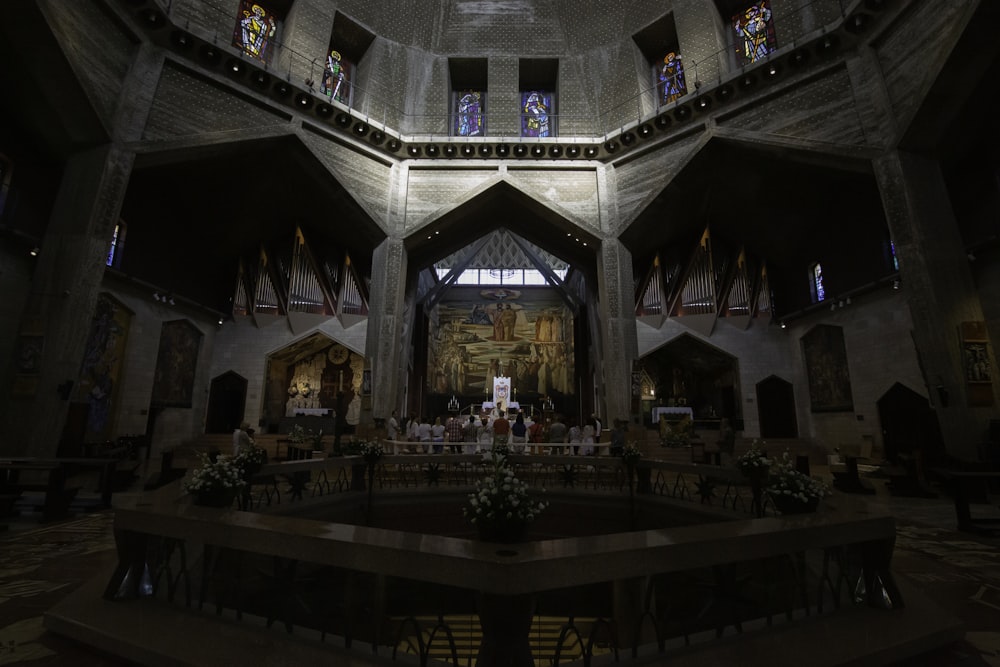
34,251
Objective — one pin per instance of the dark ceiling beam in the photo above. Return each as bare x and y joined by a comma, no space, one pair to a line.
567,296
432,298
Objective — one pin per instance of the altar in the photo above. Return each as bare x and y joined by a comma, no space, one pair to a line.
672,413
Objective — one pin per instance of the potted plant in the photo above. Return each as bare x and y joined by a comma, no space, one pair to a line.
501,507
791,491
215,483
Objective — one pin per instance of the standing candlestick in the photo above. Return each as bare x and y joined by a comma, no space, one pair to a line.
340,381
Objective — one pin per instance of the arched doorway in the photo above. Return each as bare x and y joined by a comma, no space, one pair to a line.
776,408
909,425
226,403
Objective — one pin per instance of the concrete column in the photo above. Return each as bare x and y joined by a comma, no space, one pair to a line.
386,327
64,293
938,284
619,346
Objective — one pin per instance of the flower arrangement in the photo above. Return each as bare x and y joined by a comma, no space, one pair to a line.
787,483
300,436
501,507
371,451
501,450
753,462
678,434
631,454
223,475
251,457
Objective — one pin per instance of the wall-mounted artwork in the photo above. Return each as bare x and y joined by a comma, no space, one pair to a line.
102,361
977,365
826,369
479,334
176,363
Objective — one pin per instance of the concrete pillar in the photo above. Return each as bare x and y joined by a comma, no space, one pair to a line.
619,346
938,284
386,315
64,293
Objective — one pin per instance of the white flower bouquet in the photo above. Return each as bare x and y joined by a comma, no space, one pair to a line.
787,483
631,454
225,474
371,451
753,462
501,503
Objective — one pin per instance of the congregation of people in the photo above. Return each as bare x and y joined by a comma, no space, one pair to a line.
522,433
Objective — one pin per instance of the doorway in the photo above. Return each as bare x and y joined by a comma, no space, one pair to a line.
776,408
909,425
226,403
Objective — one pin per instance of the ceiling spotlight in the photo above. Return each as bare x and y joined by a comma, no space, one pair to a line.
260,79
283,89
413,150
610,146
171,301
662,121
468,150
431,150
153,18
34,251
703,103
503,150
538,150
799,57
303,100
394,145
236,67
772,69
784,326
724,92
324,110
361,129
590,151
628,138
682,113
220,321
210,54
377,137
343,120
747,81
485,150
450,150
555,151
645,130
520,150
572,151
895,284
181,39
156,296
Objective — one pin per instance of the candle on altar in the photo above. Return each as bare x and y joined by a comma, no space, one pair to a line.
340,381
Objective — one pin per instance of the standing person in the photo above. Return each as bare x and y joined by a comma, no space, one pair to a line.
437,435
501,429
412,430
575,436
618,434
536,433
484,434
424,434
587,437
392,427
470,430
455,433
557,434
598,427
518,434
241,438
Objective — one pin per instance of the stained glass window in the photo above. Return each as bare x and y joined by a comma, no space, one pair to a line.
255,29
114,259
536,107
336,78
754,29
470,108
670,78
895,259
819,293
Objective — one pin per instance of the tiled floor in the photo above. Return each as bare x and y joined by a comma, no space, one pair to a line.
41,563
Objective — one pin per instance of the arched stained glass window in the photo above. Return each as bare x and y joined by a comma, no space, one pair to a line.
818,291
670,79
536,109
470,107
754,28
255,29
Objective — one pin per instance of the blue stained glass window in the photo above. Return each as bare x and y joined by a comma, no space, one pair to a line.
895,260
819,293
536,107
469,113
255,26
670,79
754,29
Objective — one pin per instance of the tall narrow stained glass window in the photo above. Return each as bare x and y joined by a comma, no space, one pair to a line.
536,109
892,253
819,292
336,78
754,29
114,259
470,107
255,29
670,79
